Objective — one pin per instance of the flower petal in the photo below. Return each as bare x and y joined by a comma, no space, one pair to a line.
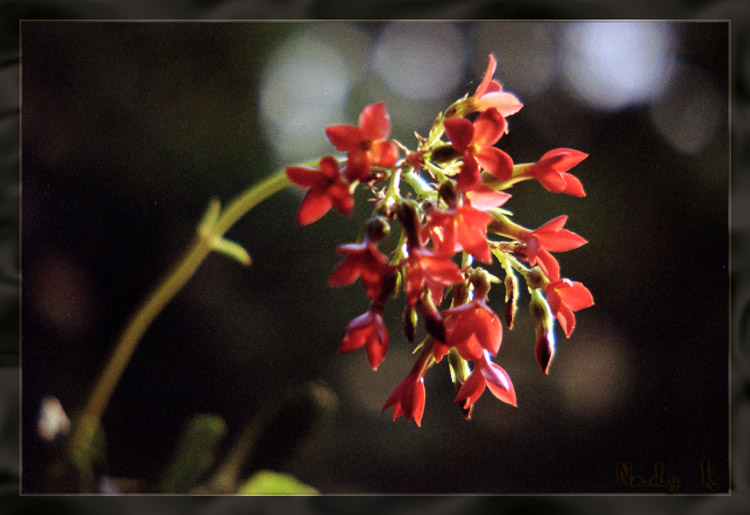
472,388
440,269
441,227
374,122
576,295
488,73
573,186
356,332
483,197
499,383
383,153
357,165
330,168
553,225
315,204
506,103
552,181
341,198
488,128
470,175
567,320
376,345
346,272
460,132
548,264
561,159
305,177
417,406
561,240
344,137
489,330
496,162
472,233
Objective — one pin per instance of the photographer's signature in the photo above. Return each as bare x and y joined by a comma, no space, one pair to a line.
658,478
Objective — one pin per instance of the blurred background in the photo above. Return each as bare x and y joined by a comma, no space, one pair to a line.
128,129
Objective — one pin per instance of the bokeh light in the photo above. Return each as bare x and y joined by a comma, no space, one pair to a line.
525,51
687,115
595,374
612,65
306,86
420,61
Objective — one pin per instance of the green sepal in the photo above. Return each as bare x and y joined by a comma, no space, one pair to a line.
497,211
458,366
436,131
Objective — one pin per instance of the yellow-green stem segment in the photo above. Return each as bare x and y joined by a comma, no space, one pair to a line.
206,239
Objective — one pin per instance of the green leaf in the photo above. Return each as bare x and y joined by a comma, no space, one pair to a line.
268,482
194,453
233,250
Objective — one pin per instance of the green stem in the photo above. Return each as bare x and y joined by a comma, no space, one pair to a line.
504,226
521,172
419,185
436,170
206,238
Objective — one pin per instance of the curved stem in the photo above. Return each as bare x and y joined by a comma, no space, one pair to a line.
206,238
521,172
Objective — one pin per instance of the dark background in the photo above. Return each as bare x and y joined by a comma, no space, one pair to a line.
667,322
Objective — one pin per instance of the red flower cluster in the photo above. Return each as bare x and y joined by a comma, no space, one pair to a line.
449,220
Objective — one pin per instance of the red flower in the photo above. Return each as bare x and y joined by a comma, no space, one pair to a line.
469,180
460,228
425,268
551,170
364,261
408,398
565,297
326,189
471,328
475,140
368,330
489,94
366,144
550,237
490,375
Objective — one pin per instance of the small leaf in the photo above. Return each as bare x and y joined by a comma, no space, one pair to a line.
233,250
194,453
268,482
210,216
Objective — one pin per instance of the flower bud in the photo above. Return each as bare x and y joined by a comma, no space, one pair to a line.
428,205
444,154
460,371
536,278
448,193
460,294
406,212
544,347
388,285
377,228
433,321
480,279
511,298
409,322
